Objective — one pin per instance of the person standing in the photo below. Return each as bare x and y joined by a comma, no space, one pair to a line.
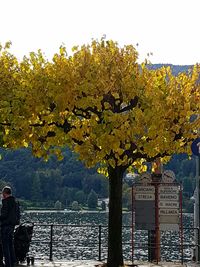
1,249
8,222
1,255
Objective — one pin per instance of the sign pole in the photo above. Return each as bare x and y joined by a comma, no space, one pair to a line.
133,222
157,229
181,221
155,234
197,210
158,173
198,206
195,147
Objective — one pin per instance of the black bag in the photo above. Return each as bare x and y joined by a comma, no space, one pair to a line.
22,239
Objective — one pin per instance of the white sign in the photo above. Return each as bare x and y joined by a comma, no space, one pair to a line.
144,189
168,211
169,204
169,197
168,176
168,189
169,219
144,197
144,192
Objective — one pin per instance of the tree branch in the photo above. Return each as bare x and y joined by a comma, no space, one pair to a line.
132,104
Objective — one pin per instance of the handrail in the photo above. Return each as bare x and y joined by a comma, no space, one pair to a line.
98,244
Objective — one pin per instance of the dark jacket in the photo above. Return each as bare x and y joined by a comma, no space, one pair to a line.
8,211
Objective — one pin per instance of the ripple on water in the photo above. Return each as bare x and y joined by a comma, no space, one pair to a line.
71,242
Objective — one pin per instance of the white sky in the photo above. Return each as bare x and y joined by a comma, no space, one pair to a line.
168,28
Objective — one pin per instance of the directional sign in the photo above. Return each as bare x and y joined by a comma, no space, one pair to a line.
168,211
169,197
168,189
143,192
196,147
144,197
144,189
167,204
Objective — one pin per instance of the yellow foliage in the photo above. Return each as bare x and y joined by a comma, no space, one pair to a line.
100,102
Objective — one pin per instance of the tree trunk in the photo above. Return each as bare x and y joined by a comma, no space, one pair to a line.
115,255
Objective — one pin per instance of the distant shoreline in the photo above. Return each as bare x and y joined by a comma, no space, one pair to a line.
65,211
80,211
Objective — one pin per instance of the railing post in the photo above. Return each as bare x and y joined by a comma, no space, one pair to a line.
99,242
198,245
51,243
132,223
181,220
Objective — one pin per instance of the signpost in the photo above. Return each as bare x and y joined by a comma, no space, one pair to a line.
157,207
195,147
169,207
169,202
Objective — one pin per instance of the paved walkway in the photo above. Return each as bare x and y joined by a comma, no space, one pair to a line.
77,263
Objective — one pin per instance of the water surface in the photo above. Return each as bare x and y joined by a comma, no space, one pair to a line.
76,236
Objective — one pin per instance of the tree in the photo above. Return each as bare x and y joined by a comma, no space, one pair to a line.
58,205
92,200
75,206
103,205
105,106
64,196
80,197
71,192
36,188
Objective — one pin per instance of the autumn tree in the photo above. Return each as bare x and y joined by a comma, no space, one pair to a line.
106,107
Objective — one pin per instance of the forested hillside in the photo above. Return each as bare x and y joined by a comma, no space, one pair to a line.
33,179
176,69
68,180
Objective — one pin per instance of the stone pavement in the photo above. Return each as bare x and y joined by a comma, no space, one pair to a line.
79,263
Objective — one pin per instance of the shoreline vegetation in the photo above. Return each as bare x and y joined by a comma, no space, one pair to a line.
39,185
79,211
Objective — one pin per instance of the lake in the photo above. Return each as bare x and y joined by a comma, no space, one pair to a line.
76,236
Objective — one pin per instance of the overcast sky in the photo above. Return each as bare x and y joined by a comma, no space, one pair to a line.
170,29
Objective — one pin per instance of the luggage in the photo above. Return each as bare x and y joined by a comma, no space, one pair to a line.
22,239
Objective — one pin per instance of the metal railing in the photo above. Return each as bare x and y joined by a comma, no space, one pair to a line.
90,242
